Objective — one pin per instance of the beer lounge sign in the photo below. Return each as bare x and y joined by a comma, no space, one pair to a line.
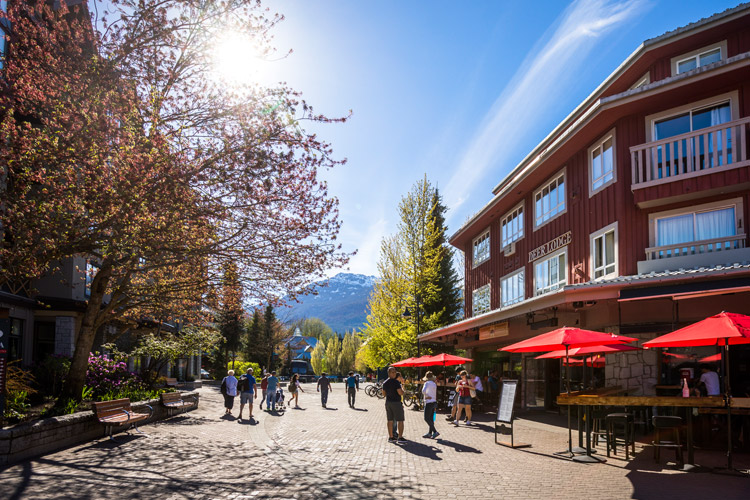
550,246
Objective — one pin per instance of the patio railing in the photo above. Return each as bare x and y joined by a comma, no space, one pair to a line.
696,247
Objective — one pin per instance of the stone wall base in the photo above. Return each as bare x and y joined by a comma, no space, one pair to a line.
31,439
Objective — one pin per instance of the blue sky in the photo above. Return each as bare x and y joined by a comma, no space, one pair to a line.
459,91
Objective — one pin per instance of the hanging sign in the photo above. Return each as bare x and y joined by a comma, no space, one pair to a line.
550,246
493,331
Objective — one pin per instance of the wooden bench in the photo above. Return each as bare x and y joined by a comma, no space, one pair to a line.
171,382
174,401
118,413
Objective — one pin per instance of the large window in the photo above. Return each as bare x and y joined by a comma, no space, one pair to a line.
602,163
694,119
511,288
481,248
604,252
480,300
550,273
703,58
696,226
549,201
512,226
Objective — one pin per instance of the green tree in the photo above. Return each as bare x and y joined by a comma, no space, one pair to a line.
333,349
317,358
253,338
416,273
270,337
349,349
231,316
312,327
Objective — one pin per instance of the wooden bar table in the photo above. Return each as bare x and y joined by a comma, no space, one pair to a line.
663,401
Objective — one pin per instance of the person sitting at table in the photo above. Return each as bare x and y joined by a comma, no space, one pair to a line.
708,384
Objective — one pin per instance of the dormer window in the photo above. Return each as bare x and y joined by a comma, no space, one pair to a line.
698,58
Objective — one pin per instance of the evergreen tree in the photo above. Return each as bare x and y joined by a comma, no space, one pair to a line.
231,315
269,337
253,339
448,304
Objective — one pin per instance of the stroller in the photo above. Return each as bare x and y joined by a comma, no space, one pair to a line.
280,406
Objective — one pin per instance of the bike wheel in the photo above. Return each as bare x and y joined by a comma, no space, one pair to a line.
380,393
370,390
408,401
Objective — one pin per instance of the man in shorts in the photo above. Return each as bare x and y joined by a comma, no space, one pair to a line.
394,408
248,387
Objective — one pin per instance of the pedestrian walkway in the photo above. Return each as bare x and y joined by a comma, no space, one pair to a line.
342,453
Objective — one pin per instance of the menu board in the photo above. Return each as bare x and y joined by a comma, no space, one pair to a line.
507,399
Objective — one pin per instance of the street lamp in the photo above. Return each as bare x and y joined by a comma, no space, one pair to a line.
407,314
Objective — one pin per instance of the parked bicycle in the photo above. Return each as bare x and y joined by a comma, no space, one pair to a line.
373,390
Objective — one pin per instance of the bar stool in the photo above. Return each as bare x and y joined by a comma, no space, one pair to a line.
641,417
599,426
615,422
664,425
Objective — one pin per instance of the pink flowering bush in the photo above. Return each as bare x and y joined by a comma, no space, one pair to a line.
111,379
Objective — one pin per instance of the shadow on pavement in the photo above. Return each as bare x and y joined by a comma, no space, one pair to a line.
421,450
461,448
359,409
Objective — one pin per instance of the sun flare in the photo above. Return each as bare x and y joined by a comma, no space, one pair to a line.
237,59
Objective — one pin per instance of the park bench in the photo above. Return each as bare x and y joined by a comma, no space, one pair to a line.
118,413
174,401
170,382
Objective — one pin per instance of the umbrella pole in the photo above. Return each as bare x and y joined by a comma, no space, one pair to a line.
728,398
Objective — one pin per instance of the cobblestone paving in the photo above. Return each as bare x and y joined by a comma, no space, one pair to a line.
343,453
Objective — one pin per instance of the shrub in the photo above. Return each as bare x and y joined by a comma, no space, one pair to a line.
110,377
51,373
19,386
241,367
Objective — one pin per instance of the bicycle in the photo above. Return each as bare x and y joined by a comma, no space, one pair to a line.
372,389
413,398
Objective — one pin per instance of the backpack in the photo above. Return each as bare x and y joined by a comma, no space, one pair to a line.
224,387
244,384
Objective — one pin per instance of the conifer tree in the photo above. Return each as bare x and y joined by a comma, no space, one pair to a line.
253,338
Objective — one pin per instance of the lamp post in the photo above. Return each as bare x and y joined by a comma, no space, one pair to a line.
407,314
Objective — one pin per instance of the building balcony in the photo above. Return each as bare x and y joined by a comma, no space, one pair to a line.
695,254
704,152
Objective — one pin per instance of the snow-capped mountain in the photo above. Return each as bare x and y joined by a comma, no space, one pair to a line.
342,303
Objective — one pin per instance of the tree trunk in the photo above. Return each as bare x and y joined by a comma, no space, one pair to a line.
76,379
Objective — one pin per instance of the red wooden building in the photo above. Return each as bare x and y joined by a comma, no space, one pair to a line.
629,217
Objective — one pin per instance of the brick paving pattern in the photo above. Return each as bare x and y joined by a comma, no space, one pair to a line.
343,453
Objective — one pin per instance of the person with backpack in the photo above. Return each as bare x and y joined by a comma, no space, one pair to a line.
294,389
247,387
352,386
272,383
263,388
324,385
229,391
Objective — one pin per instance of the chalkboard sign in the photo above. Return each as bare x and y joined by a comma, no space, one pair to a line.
507,399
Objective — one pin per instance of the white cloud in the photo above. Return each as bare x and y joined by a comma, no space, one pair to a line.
368,247
533,89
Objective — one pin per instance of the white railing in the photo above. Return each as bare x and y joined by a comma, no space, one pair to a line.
708,150
696,247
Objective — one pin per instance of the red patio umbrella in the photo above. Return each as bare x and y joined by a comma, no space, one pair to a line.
442,360
711,359
723,329
595,349
567,338
405,363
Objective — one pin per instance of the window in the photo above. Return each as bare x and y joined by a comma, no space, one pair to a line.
511,288
481,251
15,339
550,273
697,60
696,226
691,120
480,300
549,201
602,163
512,226
604,252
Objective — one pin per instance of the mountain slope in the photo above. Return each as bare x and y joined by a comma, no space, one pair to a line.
342,304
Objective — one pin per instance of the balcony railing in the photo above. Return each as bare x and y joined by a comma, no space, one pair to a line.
708,150
696,247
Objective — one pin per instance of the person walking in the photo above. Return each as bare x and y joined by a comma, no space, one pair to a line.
429,391
247,387
273,383
294,388
229,391
452,416
464,388
394,408
264,389
324,385
352,386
